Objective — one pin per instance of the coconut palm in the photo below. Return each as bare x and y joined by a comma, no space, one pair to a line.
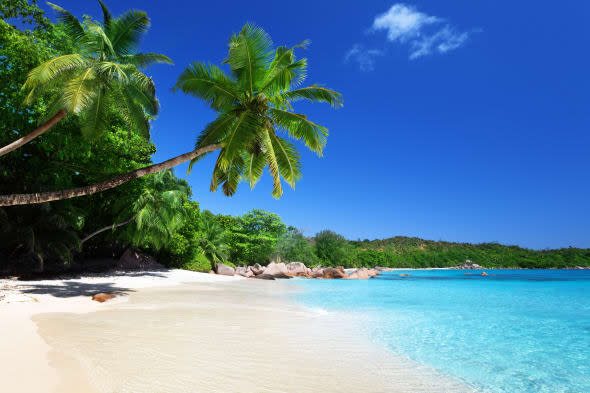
212,240
155,215
255,115
105,69
255,111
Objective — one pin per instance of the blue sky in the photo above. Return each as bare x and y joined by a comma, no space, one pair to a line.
462,120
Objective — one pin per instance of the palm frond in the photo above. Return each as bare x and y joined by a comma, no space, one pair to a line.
249,54
314,93
288,159
227,176
46,73
239,135
127,30
97,42
273,165
253,167
96,119
209,83
213,133
144,60
134,114
106,17
72,24
79,92
299,127
111,72
143,91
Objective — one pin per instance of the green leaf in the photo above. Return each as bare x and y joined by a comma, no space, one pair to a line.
209,83
71,23
299,127
249,54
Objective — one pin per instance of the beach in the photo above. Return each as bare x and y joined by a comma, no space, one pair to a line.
179,331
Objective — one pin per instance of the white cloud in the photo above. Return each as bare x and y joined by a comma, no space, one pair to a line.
442,41
364,57
424,35
403,22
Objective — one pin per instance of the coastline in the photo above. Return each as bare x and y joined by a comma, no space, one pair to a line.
315,349
22,349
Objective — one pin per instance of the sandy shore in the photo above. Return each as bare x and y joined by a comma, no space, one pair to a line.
179,331
23,353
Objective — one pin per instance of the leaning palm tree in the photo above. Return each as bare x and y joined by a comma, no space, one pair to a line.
255,105
156,213
211,240
104,69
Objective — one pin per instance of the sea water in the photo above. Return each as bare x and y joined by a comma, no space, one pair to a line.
509,331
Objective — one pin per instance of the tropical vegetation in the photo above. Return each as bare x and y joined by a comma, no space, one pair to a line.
144,205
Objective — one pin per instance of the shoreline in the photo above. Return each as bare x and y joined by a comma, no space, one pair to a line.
22,348
36,331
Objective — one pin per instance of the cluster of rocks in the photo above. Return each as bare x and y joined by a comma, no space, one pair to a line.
295,269
468,265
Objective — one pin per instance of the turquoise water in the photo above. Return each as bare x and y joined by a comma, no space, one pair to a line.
511,331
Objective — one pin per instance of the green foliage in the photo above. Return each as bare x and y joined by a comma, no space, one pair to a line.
25,12
101,71
333,249
157,211
40,233
211,240
255,105
292,246
199,263
253,237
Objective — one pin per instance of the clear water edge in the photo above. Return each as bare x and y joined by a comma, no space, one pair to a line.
511,331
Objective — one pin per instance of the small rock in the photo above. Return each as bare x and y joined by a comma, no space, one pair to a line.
225,270
332,272
102,297
264,276
257,269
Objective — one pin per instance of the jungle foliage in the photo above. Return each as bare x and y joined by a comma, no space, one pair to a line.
155,213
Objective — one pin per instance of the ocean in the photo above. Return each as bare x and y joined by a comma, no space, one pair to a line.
511,331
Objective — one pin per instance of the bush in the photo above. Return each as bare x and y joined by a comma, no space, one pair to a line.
198,264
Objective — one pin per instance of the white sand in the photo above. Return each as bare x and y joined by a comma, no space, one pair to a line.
24,361
210,334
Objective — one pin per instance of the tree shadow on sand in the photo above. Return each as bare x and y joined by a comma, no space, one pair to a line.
73,289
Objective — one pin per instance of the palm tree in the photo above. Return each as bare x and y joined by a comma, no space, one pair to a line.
212,240
255,105
104,70
255,112
156,214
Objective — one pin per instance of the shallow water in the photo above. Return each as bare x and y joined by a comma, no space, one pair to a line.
511,331
246,336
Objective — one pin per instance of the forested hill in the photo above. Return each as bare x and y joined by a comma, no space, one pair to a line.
415,252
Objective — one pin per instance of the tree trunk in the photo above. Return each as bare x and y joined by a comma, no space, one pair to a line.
43,128
107,228
41,197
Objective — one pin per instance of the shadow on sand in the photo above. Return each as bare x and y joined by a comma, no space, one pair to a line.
77,288
73,289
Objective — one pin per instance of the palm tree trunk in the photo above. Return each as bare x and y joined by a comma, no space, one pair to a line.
107,228
41,197
43,128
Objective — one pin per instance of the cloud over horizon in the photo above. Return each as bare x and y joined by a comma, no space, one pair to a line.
424,35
